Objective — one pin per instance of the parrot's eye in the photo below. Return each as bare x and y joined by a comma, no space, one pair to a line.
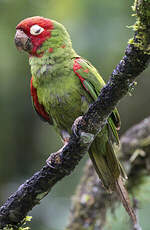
36,30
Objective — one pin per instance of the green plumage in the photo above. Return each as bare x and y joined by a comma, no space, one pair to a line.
63,85
64,98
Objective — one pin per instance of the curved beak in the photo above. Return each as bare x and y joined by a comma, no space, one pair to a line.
22,41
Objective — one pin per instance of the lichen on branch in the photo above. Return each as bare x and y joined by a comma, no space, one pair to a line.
141,27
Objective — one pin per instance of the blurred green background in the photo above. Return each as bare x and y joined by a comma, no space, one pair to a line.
99,33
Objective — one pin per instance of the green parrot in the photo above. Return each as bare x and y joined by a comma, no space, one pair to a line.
63,85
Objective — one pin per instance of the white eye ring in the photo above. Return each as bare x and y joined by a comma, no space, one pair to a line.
36,30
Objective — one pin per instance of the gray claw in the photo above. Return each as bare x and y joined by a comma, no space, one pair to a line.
75,124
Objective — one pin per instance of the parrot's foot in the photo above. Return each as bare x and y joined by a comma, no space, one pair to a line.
55,156
74,126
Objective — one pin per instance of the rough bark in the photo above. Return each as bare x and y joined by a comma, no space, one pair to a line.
63,162
91,202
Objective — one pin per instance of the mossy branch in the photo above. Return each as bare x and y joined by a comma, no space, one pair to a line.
91,203
63,162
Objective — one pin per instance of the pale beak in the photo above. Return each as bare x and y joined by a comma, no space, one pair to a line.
22,41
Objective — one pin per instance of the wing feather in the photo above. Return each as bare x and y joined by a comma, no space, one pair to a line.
93,83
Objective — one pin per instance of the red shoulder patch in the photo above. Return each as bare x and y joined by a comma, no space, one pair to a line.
76,67
39,108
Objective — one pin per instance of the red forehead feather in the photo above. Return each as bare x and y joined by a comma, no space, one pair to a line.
28,22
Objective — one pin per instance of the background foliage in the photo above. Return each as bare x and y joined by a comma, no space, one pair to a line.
99,33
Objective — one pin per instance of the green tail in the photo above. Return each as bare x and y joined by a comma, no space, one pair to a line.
109,169
105,161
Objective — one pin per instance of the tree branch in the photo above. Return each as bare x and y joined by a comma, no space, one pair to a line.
91,202
62,163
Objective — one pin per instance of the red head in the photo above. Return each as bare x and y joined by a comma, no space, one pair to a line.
32,32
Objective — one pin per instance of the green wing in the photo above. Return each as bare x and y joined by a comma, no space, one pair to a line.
93,83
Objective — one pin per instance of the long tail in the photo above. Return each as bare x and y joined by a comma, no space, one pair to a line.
110,171
124,197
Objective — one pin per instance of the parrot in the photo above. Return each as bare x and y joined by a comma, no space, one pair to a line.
63,86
